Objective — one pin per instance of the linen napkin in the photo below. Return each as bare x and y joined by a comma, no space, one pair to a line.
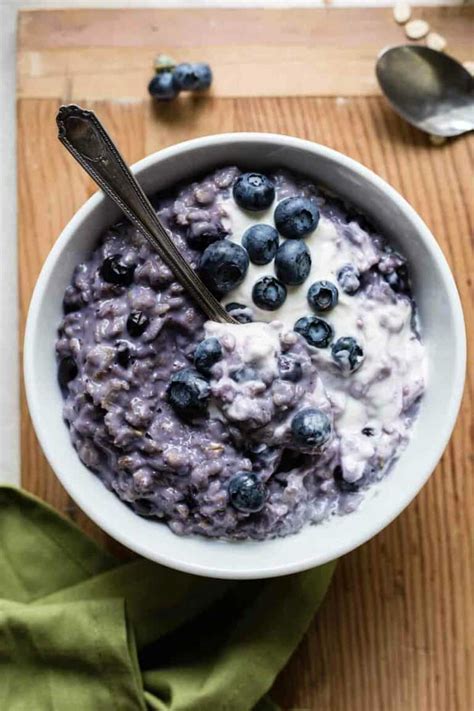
82,631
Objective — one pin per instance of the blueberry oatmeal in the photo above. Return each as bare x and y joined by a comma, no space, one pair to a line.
252,429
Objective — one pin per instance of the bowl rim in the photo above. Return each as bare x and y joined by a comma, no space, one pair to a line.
459,365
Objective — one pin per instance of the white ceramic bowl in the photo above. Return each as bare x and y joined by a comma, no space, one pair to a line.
442,330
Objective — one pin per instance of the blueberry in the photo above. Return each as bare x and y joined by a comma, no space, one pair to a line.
204,74
137,323
253,191
67,371
188,393
72,300
162,87
244,374
346,487
293,262
348,278
201,234
268,293
246,492
323,295
207,354
123,354
241,313
223,266
398,279
296,217
192,77
311,428
347,353
317,332
261,242
289,368
114,272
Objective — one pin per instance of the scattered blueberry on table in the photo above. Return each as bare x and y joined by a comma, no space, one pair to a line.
162,87
171,78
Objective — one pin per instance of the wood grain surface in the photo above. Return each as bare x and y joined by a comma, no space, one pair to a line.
396,630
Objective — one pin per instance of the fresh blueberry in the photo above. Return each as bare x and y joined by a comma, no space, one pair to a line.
347,354
188,393
223,266
296,217
293,262
348,278
241,313
253,191
311,428
398,279
114,272
162,87
289,368
201,234
244,374
323,295
261,242
204,74
192,77
246,492
346,487
137,323
317,332
72,300
67,371
207,353
123,354
268,293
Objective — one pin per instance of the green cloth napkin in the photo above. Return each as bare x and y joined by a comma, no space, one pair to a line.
80,630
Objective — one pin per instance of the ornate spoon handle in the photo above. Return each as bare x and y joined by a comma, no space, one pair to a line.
82,133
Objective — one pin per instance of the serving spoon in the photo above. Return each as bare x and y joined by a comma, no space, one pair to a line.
429,89
81,132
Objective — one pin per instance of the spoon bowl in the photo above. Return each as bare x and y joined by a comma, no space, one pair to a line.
427,88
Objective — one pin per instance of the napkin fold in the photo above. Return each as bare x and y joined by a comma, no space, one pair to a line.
83,631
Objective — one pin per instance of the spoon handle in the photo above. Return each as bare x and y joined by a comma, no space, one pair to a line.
81,132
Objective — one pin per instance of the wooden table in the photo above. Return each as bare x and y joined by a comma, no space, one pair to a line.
396,630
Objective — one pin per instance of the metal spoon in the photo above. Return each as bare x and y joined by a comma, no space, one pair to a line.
87,140
430,90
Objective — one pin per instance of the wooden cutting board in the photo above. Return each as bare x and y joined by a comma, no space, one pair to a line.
396,630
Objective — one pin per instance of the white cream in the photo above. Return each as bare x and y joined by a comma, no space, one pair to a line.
394,361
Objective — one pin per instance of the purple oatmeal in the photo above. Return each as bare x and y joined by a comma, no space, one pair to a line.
255,429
